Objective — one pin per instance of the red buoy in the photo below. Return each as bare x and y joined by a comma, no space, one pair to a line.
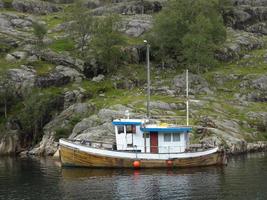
136,164
169,163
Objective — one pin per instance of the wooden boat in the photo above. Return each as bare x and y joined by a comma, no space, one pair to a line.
73,154
142,144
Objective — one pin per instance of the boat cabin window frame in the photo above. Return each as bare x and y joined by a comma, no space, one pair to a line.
130,128
167,137
121,129
176,137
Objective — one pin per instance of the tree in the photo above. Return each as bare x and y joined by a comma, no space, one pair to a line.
37,111
39,31
7,95
198,45
81,26
107,41
189,31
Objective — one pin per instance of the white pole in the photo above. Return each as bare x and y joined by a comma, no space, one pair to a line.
187,99
148,78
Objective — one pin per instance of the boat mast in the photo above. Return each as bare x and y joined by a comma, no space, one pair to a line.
148,78
187,99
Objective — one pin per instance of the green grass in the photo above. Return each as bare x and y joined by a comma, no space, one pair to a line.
53,19
42,67
63,45
5,65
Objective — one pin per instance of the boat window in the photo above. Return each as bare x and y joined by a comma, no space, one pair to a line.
176,137
130,129
167,137
146,135
120,129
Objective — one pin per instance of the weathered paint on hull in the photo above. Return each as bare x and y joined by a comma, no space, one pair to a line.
72,157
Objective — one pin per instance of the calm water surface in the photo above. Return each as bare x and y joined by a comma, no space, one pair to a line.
245,177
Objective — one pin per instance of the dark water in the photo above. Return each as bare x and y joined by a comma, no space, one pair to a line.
245,177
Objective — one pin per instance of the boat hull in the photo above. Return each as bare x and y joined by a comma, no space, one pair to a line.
75,157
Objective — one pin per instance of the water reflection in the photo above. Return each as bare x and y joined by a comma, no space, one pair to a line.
145,184
33,178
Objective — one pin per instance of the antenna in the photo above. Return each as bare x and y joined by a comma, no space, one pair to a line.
148,78
187,100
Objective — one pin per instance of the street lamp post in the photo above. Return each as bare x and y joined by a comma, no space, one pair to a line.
148,77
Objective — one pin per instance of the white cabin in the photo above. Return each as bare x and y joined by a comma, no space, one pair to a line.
137,135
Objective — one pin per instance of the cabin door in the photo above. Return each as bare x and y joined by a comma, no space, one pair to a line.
154,142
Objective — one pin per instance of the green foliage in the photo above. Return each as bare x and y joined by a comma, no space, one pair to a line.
62,133
96,37
39,31
7,93
38,108
107,41
42,67
65,44
188,31
82,26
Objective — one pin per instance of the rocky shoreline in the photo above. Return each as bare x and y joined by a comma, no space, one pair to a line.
231,102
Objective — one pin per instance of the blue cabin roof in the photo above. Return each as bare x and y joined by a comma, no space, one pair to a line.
126,123
152,128
167,129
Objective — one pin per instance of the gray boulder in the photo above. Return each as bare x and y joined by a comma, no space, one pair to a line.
256,147
260,27
61,1
35,6
60,59
32,58
4,21
166,106
103,133
197,85
62,75
130,8
19,55
99,127
98,78
137,25
255,89
260,83
92,4
237,42
250,2
84,125
10,58
224,133
136,53
9,143
23,78
107,115
21,23
246,13
258,120
69,72
7,43
74,96
1,4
